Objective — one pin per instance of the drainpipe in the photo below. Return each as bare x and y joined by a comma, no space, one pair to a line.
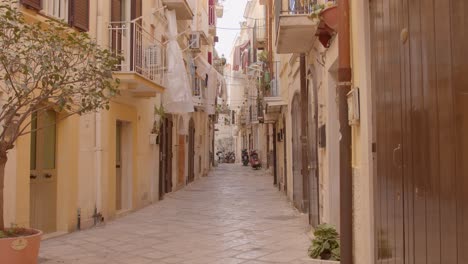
98,119
304,139
344,86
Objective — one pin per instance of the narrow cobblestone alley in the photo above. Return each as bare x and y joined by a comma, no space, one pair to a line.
235,215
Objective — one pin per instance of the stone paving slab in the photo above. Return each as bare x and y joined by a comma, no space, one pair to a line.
233,216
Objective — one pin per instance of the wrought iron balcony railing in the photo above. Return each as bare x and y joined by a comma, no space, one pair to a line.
142,53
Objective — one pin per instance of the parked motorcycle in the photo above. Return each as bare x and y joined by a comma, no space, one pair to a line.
230,157
221,157
254,160
245,157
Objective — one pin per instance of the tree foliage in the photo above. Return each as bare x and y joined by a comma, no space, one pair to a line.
47,66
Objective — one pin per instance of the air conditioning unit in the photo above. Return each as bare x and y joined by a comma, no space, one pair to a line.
194,43
154,57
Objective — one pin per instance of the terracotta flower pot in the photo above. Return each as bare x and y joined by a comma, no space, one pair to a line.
21,250
330,17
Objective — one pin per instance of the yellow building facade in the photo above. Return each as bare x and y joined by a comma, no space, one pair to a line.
107,164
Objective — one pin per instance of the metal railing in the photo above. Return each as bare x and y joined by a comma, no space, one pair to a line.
142,53
298,7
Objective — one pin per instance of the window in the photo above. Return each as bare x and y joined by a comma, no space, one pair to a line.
57,8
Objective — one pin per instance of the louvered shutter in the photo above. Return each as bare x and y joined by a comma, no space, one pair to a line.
79,14
136,9
116,11
34,4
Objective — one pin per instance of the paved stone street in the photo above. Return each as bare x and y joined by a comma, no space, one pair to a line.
235,215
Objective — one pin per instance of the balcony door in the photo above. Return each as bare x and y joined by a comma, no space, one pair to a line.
298,181
191,153
123,36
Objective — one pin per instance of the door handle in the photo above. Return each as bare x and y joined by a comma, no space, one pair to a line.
395,150
31,176
48,176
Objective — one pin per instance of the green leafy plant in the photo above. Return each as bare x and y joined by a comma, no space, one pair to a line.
316,9
158,111
15,232
262,56
326,244
47,66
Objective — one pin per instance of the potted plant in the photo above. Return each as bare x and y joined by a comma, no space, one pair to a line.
326,243
43,68
326,13
154,135
263,56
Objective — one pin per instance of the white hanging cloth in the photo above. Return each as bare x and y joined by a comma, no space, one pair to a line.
216,85
178,95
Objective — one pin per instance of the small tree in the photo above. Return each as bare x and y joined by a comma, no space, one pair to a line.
46,66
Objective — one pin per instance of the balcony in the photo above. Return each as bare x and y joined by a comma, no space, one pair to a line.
198,92
142,69
259,32
182,8
295,31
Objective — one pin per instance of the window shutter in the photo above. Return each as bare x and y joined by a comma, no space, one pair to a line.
34,4
79,14
136,9
116,11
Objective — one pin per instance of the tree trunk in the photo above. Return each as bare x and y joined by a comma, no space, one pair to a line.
3,161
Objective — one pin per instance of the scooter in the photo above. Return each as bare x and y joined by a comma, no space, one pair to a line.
245,157
254,160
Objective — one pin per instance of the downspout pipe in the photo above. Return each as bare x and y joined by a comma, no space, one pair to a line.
304,133
98,120
344,86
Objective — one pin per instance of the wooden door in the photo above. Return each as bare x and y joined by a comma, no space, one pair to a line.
274,157
118,166
285,156
169,155
191,151
181,161
298,192
162,159
43,176
420,79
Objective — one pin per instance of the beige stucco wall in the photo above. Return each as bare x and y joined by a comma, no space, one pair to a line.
363,206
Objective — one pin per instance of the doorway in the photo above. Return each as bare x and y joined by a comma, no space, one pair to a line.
298,192
420,97
312,128
191,151
285,155
43,175
165,164
123,166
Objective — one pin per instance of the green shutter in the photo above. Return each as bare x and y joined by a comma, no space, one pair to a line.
33,141
49,127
